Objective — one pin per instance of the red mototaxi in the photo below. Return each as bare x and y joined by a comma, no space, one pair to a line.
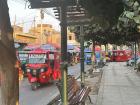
119,56
39,67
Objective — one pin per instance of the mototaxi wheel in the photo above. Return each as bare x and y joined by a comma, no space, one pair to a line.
34,86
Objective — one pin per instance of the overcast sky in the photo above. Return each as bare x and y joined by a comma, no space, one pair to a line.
26,16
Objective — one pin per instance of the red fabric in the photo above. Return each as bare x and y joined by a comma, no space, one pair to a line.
97,48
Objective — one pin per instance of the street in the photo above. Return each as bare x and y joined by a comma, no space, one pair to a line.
45,93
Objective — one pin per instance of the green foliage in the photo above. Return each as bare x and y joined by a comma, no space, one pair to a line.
113,21
108,9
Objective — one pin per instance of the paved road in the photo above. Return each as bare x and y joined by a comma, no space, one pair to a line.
75,70
120,86
44,94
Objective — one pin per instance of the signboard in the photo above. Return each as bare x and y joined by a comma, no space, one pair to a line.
37,56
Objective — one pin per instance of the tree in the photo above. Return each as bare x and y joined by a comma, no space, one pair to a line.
110,10
9,75
116,27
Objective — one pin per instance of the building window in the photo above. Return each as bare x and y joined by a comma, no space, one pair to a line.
70,37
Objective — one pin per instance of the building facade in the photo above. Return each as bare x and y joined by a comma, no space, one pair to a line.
42,34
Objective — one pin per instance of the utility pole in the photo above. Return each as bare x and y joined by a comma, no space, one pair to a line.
50,34
34,25
41,33
63,18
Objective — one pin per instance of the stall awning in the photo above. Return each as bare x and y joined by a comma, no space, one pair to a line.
48,47
70,47
31,47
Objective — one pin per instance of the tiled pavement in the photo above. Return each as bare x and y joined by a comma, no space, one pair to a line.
120,85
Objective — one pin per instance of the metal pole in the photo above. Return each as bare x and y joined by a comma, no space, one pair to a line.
135,53
82,55
41,32
63,11
51,37
34,26
41,29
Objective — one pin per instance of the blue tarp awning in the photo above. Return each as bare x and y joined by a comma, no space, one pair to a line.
87,50
70,47
31,47
48,47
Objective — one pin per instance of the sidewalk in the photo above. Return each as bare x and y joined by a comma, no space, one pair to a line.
120,85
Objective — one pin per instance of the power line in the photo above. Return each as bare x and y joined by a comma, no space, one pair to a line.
45,10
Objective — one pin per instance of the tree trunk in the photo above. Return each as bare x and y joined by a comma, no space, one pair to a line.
105,48
139,45
114,47
9,75
93,47
121,47
93,55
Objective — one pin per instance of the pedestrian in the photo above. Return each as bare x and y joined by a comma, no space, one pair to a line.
18,67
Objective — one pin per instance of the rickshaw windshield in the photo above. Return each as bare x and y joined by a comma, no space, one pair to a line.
23,57
37,58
